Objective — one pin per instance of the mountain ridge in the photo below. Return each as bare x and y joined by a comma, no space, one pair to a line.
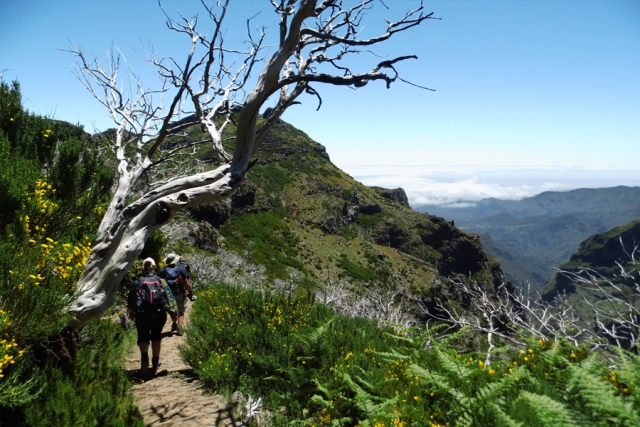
542,231
298,211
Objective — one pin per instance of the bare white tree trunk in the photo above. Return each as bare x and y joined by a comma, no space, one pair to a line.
313,34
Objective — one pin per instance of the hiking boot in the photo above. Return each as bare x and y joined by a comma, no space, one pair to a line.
155,362
144,369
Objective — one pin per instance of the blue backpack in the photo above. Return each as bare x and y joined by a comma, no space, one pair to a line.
174,279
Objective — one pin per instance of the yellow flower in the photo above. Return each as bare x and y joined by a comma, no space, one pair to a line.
491,371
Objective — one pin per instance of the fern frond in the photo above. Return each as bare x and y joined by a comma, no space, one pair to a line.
363,400
503,420
599,398
313,337
448,363
405,340
440,382
444,341
320,401
548,412
391,356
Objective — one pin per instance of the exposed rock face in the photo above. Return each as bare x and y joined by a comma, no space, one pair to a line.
350,212
216,214
602,253
398,195
371,209
204,237
329,225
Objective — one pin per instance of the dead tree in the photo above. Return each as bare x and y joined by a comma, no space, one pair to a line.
615,302
505,314
315,38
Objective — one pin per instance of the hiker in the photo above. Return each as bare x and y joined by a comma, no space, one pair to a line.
187,267
147,305
177,278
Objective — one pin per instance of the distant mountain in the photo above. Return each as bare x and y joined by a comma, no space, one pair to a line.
534,235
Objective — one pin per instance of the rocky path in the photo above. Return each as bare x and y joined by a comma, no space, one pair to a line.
174,397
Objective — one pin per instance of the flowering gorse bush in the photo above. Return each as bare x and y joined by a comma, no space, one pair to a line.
328,369
53,188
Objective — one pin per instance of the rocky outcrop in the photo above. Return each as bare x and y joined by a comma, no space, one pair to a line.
370,209
216,214
318,216
398,195
603,254
350,210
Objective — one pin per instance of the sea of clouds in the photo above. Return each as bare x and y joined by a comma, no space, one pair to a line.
460,186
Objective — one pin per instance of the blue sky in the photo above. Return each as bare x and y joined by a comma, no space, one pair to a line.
530,95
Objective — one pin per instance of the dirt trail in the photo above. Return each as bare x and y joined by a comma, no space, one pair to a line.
174,397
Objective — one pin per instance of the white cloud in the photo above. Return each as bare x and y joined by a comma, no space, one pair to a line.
460,186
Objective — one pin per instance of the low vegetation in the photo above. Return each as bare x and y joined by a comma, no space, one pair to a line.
344,354
53,188
312,367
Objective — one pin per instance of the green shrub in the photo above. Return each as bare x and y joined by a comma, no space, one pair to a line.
371,220
91,391
269,240
326,369
55,190
355,270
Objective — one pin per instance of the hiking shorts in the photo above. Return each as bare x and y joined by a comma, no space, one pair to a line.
180,298
150,329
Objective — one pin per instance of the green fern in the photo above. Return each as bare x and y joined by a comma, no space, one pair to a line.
440,382
543,411
313,338
501,417
599,399
448,363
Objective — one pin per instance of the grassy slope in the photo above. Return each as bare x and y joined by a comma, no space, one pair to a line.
291,209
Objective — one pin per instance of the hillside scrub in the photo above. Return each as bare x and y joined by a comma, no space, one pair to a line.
313,367
54,188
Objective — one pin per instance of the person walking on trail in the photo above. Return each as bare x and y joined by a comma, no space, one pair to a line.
187,267
177,278
147,306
